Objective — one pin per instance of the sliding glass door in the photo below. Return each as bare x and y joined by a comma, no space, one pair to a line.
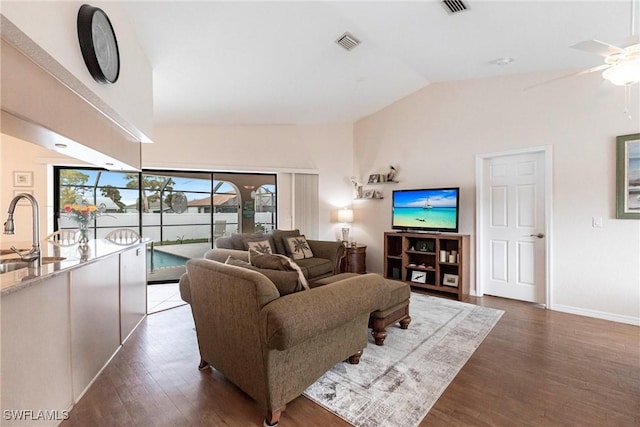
182,212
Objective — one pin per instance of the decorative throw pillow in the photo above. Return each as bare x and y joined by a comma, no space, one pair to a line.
277,262
301,279
238,239
270,261
286,281
279,237
298,247
262,246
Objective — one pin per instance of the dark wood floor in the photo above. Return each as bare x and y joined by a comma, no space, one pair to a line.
536,368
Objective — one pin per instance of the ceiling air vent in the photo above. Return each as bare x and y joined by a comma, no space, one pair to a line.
454,6
348,41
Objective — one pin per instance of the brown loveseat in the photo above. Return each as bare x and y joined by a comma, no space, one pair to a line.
274,347
326,259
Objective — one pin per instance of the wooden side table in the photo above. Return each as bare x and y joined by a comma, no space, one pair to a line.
356,259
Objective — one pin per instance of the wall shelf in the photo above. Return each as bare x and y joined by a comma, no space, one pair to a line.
364,192
382,182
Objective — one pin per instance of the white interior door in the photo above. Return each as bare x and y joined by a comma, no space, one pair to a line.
512,241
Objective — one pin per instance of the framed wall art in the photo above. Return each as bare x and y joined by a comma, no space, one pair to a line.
22,179
450,280
628,176
418,276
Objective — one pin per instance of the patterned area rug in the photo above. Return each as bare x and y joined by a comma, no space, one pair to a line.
397,384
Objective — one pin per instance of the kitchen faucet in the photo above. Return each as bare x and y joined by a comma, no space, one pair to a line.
33,256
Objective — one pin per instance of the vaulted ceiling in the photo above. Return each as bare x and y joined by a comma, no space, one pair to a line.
270,62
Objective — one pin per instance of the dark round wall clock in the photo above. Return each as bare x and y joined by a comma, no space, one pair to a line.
98,44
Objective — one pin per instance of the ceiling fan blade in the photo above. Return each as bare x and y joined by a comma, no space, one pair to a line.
631,41
566,76
592,69
598,47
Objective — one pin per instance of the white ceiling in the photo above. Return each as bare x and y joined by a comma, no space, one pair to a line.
277,63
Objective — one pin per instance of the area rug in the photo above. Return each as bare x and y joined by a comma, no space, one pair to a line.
395,385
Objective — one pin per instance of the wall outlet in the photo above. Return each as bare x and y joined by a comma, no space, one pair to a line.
596,222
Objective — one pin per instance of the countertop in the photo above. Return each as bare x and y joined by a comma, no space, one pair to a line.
16,280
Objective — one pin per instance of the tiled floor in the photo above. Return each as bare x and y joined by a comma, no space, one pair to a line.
162,297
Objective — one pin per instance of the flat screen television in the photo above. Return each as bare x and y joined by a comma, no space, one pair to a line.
428,209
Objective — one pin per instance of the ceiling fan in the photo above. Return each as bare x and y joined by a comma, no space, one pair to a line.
621,65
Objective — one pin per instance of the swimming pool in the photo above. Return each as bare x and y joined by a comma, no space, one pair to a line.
163,259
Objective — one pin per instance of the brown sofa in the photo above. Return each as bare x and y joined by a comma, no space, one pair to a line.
274,347
395,311
327,255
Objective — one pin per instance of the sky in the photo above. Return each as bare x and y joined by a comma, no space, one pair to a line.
418,198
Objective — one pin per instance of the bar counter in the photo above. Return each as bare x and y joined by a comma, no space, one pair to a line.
62,323
72,257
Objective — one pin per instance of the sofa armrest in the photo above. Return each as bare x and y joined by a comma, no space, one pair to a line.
221,255
333,251
224,242
295,318
185,290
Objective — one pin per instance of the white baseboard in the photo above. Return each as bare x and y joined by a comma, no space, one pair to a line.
596,314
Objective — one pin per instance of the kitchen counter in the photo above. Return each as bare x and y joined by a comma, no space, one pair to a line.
16,280
70,316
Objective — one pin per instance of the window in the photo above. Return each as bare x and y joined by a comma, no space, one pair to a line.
182,212
265,208
114,192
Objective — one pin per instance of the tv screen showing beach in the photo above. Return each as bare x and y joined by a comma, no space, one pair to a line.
429,209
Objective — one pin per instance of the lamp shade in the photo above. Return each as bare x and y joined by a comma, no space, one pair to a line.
625,73
345,215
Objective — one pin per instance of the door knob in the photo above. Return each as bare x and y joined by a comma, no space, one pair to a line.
539,235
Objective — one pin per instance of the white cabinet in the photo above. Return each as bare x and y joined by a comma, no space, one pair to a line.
59,331
95,319
36,350
133,290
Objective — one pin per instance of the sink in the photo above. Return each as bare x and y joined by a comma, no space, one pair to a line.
5,267
10,252
51,259
12,264
45,260
12,261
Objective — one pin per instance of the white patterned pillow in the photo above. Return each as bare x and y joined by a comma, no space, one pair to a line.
298,247
262,246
